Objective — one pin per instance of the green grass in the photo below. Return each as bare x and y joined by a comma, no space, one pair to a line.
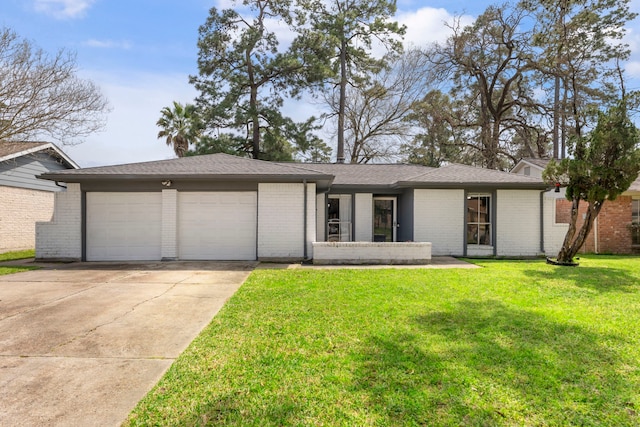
14,256
17,255
511,344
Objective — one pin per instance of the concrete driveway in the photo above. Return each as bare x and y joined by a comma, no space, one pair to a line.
81,344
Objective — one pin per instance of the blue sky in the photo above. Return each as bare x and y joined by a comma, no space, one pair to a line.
141,52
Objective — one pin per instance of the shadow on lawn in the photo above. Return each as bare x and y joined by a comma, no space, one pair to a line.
486,364
601,279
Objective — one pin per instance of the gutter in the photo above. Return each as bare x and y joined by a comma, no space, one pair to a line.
542,221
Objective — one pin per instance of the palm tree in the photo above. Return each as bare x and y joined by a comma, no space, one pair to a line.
179,126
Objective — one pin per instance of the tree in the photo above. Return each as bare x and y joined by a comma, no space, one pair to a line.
578,46
375,110
179,126
436,141
244,76
602,166
348,28
41,95
489,65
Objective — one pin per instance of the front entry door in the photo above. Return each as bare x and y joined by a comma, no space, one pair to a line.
384,219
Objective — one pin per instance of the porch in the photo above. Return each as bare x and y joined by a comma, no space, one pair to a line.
392,253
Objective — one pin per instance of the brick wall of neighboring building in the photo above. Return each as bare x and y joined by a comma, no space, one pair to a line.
613,231
20,209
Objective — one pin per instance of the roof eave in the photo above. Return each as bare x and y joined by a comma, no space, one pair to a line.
79,178
475,185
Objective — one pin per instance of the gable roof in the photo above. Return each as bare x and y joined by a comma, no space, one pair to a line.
10,150
540,164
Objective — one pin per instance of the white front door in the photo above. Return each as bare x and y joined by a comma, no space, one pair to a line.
384,219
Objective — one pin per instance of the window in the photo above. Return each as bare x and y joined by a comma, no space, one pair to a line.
635,222
339,218
527,170
479,219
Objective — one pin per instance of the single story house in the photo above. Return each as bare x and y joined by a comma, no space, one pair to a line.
222,207
25,199
613,230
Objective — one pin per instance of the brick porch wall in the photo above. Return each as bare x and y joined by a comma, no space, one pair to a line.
21,208
614,235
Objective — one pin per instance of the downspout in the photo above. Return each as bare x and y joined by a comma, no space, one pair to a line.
305,254
60,185
542,221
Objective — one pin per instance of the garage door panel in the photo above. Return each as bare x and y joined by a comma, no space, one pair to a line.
124,226
217,225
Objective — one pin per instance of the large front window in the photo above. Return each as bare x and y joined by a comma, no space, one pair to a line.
635,222
479,219
339,218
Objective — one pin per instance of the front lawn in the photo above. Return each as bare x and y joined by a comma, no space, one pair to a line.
513,343
14,256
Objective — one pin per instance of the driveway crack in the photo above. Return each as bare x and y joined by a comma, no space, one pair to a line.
113,320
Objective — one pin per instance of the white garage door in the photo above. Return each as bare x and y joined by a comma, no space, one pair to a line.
124,226
217,225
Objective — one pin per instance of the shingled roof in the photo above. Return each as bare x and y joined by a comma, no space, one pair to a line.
378,175
470,176
212,166
224,167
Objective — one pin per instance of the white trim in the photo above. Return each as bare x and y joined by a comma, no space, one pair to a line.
42,147
394,220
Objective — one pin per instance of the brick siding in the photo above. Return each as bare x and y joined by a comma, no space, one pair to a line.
614,235
21,208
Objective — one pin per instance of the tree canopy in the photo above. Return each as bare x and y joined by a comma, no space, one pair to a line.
41,95
602,165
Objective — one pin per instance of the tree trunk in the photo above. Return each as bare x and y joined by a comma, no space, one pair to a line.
571,246
255,119
343,96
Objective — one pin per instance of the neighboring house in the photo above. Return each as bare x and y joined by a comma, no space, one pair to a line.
613,230
222,207
23,198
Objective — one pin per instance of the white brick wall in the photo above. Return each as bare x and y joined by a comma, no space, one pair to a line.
281,221
20,209
439,219
321,210
553,233
61,238
311,218
518,222
169,249
364,217
372,253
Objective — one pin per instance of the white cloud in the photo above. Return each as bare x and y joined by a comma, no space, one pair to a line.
136,101
62,9
633,69
108,44
428,25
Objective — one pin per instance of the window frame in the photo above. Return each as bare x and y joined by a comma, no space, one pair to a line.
487,225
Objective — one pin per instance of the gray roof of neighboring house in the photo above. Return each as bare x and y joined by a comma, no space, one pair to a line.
224,167
635,185
541,163
11,150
